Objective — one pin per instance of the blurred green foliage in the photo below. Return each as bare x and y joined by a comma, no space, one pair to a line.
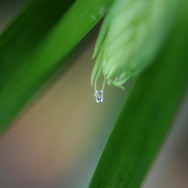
36,43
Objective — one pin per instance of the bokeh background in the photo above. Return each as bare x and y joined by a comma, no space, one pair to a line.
57,140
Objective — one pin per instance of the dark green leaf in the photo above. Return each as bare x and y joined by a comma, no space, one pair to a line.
33,45
146,115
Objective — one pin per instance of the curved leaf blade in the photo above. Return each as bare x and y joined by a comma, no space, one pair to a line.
28,58
146,116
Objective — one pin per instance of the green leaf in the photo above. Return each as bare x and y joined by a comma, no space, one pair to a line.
32,46
146,115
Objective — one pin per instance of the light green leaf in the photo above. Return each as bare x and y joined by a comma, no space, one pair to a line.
131,36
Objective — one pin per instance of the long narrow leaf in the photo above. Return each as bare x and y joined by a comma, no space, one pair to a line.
33,45
146,115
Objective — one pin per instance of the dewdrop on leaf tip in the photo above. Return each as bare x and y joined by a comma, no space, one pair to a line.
98,96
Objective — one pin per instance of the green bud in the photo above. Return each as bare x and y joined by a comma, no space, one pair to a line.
130,37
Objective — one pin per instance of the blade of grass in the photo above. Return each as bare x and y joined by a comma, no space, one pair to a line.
33,45
146,116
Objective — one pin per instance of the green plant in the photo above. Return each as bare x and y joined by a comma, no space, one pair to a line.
130,38
144,119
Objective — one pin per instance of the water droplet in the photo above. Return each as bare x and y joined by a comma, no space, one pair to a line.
98,96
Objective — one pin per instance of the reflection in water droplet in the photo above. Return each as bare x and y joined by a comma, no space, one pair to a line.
98,96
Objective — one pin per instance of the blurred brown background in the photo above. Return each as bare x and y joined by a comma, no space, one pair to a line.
58,140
